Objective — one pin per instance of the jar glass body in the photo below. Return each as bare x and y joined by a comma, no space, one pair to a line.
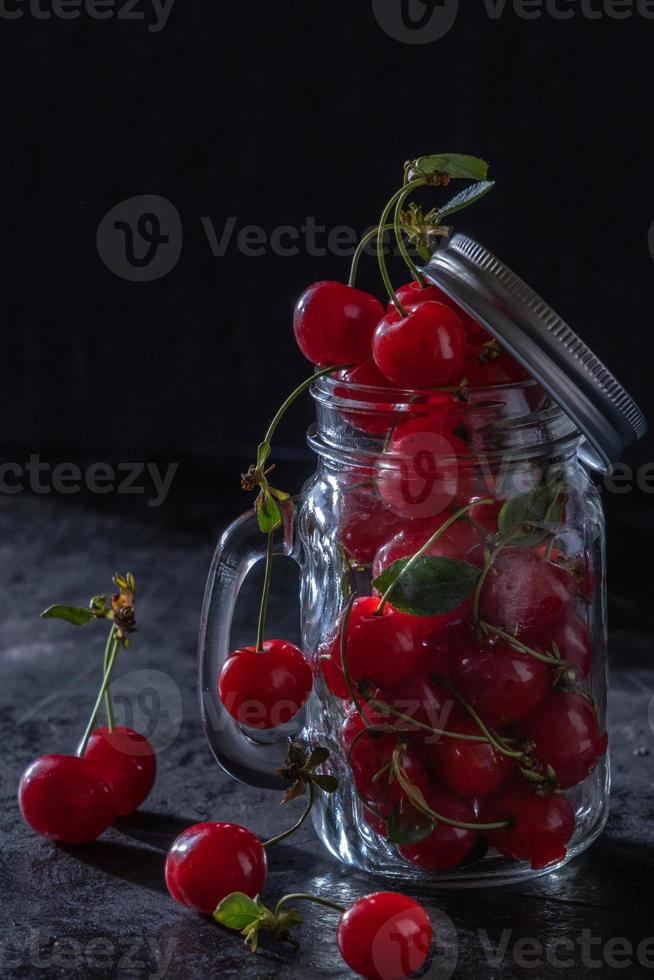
389,475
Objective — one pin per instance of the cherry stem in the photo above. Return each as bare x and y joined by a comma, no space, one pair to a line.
403,191
296,394
111,661
263,608
346,670
488,564
397,226
426,546
496,742
365,241
108,700
521,647
287,833
309,898
383,707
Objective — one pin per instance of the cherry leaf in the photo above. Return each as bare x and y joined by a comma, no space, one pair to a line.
471,194
453,164
76,615
529,517
237,911
269,513
328,784
406,825
430,587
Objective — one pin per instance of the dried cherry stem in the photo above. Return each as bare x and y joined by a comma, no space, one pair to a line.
106,679
365,241
418,801
426,546
265,593
491,737
300,897
386,708
521,647
346,670
399,195
296,826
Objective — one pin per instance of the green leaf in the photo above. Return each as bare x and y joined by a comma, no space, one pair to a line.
263,452
72,614
452,164
529,517
471,194
329,784
432,585
319,755
237,911
269,514
406,825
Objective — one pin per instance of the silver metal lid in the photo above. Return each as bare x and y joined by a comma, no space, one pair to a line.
544,344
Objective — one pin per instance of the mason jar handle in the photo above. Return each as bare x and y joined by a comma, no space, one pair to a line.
252,757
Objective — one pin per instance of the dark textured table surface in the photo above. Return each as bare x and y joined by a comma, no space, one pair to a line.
102,910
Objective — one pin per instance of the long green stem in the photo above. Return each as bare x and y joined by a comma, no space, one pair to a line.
111,660
287,833
380,240
383,708
308,898
521,647
296,394
397,226
361,247
263,608
419,802
108,700
425,548
490,736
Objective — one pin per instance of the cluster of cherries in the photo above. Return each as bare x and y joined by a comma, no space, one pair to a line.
75,798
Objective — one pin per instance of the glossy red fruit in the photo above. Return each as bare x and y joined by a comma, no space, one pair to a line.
129,762
412,294
527,595
446,846
365,523
370,756
422,471
385,936
421,700
425,349
487,515
376,395
444,650
209,861
380,649
66,799
472,770
575,644
541,826
500,683
265,690
567,736
487,365
334,323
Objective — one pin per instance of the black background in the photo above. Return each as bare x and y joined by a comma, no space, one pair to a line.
272,113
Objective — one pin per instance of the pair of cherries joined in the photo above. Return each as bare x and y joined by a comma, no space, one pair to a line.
75,798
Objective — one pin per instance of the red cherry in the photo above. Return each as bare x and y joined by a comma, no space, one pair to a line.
365,522
527,594
128,761
412,294
487,515
422,471
380,648
425,349
379,417
268,689
470,769
566,733
370,757
500,683
209,861
443,651
385,936
487,364
334,323
575,644
66,798
422,700
541,826
446,846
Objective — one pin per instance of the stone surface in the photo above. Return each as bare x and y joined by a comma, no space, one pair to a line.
102,910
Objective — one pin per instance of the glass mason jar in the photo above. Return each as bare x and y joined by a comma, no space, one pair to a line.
478,683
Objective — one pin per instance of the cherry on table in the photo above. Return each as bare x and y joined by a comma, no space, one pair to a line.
67,799
385,936
334,323
424,349
265,689
209,861
526,594
470,769
446,846
567,736
540,826
128,761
